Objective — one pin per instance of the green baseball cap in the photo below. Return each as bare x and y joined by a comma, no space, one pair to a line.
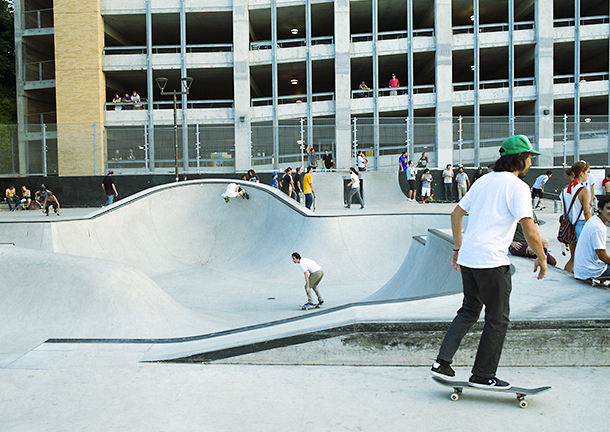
517,144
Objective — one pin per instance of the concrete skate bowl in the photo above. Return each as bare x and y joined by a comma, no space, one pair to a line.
232,260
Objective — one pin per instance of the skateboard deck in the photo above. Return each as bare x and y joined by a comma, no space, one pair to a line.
429,198
459,386
303,307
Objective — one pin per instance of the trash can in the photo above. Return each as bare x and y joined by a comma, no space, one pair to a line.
346,189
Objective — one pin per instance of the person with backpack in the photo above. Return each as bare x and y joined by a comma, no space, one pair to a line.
575,209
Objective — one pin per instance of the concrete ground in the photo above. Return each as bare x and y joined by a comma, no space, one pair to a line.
197,269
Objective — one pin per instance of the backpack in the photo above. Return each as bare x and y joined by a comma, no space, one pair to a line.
567,230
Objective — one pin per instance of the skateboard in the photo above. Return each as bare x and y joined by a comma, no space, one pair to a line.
314,202
429,198
603,282
459,386
316,306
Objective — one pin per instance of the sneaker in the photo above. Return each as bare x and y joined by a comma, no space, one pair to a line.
441,371
227,199
308,304
492,383
321,302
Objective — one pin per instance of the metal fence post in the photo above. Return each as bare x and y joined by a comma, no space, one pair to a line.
301,143
197,148
408,139
460,140
355,141
94,150
44,150
565,139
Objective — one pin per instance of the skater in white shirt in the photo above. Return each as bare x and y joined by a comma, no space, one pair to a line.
313,275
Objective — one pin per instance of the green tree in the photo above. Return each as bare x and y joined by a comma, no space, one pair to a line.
8,105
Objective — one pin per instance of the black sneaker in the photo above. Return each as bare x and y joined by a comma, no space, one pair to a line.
321,302
444,372
490,383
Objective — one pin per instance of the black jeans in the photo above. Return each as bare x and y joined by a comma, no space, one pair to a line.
490,287
448,191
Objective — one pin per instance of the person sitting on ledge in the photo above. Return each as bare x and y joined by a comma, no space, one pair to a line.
591,258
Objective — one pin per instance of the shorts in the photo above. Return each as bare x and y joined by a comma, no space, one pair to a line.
412,185
580,224
425,190
536,193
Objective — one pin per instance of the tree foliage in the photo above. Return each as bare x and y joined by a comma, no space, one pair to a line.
8,106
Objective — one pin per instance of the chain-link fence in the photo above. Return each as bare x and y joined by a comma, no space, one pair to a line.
138,149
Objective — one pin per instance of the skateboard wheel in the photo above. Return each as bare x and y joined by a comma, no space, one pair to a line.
454,396
523,404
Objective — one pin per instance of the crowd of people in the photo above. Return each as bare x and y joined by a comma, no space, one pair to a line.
43,198
127,102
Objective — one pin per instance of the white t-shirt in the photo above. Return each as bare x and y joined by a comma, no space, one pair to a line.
356,180
309,265
448,176
461,179
593,237
231,191
540,180
566,198
361,162
495,203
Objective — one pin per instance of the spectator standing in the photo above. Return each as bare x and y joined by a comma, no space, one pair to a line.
426,182
363,86
591,258
606,184
538,187
354,185
403,161
11,196
117,100
312,161
589,183
308,188
287,185
362,161
298,184
109,187
423,161
580,211
135,98
274,182
478,174
494,206
328,160
463,182
252,176
127,103
393,85
411,173
448,183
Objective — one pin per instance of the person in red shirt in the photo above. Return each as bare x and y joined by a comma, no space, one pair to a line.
606,185
393,84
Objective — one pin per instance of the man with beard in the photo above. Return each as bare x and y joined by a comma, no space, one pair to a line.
494,205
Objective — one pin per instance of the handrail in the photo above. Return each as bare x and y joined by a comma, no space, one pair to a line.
571,22
38,69
594,76
401,34
316,97
194,104
490,84
491,28
168,49
48,13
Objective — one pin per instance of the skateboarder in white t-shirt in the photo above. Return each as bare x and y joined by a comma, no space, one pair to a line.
494,205
313,275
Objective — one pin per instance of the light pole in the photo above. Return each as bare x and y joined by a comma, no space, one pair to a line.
185,85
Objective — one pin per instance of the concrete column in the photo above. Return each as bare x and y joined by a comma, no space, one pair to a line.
20,82
343,135
241,84
544,81
79,44
150,83
184,97
443,83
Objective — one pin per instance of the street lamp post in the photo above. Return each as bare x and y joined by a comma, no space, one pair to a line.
185,85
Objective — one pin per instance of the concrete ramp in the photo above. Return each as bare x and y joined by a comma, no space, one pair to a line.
48,295
426,271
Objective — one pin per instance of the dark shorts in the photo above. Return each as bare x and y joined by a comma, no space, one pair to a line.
536,193
412,185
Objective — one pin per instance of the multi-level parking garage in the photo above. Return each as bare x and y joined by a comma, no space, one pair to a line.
268,75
